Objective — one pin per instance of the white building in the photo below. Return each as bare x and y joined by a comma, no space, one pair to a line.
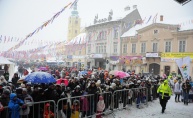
103,39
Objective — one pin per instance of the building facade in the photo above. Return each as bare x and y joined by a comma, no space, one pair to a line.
159,46
103,40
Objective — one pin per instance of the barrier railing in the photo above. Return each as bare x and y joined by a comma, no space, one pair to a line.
140,96
83,106
41,109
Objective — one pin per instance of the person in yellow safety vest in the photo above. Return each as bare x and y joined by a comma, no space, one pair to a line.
164,92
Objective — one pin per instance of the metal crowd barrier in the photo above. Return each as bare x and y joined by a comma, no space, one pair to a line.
83,106
32,110
140,96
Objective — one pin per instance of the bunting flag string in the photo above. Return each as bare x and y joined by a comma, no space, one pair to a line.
41,27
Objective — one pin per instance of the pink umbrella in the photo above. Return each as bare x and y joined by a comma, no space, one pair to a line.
120,74
61,80
127,75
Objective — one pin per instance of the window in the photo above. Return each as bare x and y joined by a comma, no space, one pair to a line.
105,49
168,46
89,48
105,34
80,52
75,31
115,33
102,49
69,31
97,49
125,48
143,46
155,32
76,22
133,48
155,47
115,47
182,46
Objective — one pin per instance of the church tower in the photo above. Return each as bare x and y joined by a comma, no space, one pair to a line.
73,23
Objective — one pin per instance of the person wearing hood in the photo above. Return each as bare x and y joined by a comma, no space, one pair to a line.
15,79
47,112
165,92
3,81
100,107
14,105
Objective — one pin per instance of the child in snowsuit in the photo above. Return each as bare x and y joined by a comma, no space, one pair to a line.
47,112
75,109
100,107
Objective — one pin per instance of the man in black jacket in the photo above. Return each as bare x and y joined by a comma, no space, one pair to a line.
186,88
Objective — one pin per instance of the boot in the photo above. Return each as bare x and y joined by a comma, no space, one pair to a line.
184,102
178,100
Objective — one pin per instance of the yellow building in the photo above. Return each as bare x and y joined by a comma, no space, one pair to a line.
73,24
159,45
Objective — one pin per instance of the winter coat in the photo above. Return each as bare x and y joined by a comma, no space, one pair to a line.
75,111
177,88
100,105
47,112
164,90
85,103
14,106
27,99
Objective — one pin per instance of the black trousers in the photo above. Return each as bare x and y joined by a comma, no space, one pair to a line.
177,96
163,103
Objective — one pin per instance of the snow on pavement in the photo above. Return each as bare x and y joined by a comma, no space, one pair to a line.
153,110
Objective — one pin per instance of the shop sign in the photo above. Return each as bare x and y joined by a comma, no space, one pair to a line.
78,57
171,60
69,56
96,56
177,55
152,55
114,62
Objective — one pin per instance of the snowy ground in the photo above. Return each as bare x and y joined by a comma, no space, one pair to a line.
153,110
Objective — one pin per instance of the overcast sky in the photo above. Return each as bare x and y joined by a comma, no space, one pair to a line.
18,18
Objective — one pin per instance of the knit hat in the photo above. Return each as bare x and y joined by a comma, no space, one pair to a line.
101,98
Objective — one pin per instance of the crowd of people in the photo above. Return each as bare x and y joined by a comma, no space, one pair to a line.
93,91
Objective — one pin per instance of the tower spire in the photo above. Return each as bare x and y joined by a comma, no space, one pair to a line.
74,12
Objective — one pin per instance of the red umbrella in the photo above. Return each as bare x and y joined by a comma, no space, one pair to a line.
61,80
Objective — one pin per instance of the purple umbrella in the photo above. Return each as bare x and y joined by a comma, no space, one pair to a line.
43,68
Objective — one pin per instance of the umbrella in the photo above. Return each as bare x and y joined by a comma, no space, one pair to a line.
40,77
61,80
120,74
43,68
21,80
112,72
83,72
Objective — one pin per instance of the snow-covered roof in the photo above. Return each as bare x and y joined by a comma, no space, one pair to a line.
133,30
80,39
121,16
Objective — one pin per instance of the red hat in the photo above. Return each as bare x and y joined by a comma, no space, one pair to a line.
101,98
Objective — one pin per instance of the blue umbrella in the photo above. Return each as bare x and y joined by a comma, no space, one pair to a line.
83,72
40,77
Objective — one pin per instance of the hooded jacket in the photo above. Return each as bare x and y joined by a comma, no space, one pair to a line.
47,112
164,90
14,106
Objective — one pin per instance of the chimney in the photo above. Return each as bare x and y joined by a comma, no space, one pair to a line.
134,6
161,17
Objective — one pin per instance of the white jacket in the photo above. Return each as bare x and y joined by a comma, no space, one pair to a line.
100,105
177,88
